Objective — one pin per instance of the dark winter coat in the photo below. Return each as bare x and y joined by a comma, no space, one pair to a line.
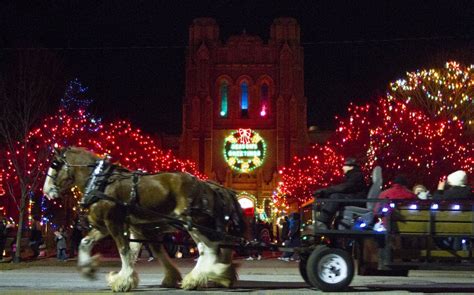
353,185
284,230
294,227
454,193
3,230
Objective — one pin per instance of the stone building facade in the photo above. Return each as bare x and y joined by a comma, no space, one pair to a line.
249,86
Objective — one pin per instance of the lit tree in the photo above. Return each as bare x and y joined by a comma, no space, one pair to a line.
24,94
319,168
390,134
125,144
404,140
446,93
75,97
2,194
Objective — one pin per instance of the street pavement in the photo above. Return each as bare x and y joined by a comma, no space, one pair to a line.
268,276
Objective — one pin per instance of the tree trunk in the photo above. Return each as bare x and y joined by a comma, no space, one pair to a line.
19,233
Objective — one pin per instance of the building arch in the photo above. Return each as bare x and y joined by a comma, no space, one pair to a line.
223,86
245,85
266,91
248,202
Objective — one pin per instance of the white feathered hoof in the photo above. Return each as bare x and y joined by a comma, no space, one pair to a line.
89,269
120,283
193,282
227,275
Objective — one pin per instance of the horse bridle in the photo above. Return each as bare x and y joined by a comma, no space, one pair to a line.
58,163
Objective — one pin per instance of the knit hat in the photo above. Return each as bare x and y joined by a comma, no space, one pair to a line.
458,178
351,162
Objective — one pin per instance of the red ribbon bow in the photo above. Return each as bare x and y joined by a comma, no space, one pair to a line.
244,136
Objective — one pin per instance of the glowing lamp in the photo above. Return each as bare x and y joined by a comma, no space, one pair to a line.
263,113
456,207
385,210
434,207
223,113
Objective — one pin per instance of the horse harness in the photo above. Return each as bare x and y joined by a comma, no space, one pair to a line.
100,178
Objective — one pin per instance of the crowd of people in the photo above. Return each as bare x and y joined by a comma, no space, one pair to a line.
36,241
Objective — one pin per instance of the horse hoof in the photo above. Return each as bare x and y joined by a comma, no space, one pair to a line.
89,270
192,282
171,281
120,283
226,283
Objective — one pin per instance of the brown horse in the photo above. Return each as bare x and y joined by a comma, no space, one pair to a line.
130,205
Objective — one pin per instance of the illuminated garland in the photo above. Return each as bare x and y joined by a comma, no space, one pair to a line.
244,150
446,92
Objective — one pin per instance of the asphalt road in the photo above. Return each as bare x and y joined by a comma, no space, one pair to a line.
269,276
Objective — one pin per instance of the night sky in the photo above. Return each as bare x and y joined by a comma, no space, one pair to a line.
131,53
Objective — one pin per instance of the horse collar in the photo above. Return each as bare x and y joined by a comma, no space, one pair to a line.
97,183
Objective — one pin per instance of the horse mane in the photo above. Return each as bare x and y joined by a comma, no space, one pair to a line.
94,157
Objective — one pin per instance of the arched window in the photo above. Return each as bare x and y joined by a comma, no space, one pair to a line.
244,99
224,93
264,98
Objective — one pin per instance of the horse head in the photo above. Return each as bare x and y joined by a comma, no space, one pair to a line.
69,167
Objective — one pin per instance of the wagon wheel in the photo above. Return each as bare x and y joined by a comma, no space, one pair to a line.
330,269
302,268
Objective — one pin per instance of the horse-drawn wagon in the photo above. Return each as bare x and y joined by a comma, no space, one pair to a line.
415,235
134,207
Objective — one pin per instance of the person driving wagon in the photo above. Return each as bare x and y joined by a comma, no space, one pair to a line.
353,187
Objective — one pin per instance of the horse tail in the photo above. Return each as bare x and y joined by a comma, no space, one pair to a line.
228,209
239,225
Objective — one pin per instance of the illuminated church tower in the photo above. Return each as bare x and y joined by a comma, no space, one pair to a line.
244,112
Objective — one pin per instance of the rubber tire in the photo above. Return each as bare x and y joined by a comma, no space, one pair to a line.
302,268
312,269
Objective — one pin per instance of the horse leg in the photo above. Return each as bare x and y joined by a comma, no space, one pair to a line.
127,278
213,264
172,274
87,264
134,247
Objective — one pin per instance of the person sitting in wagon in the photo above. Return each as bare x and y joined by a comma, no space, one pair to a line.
398,191
353,187
457,190
457,187
421,192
